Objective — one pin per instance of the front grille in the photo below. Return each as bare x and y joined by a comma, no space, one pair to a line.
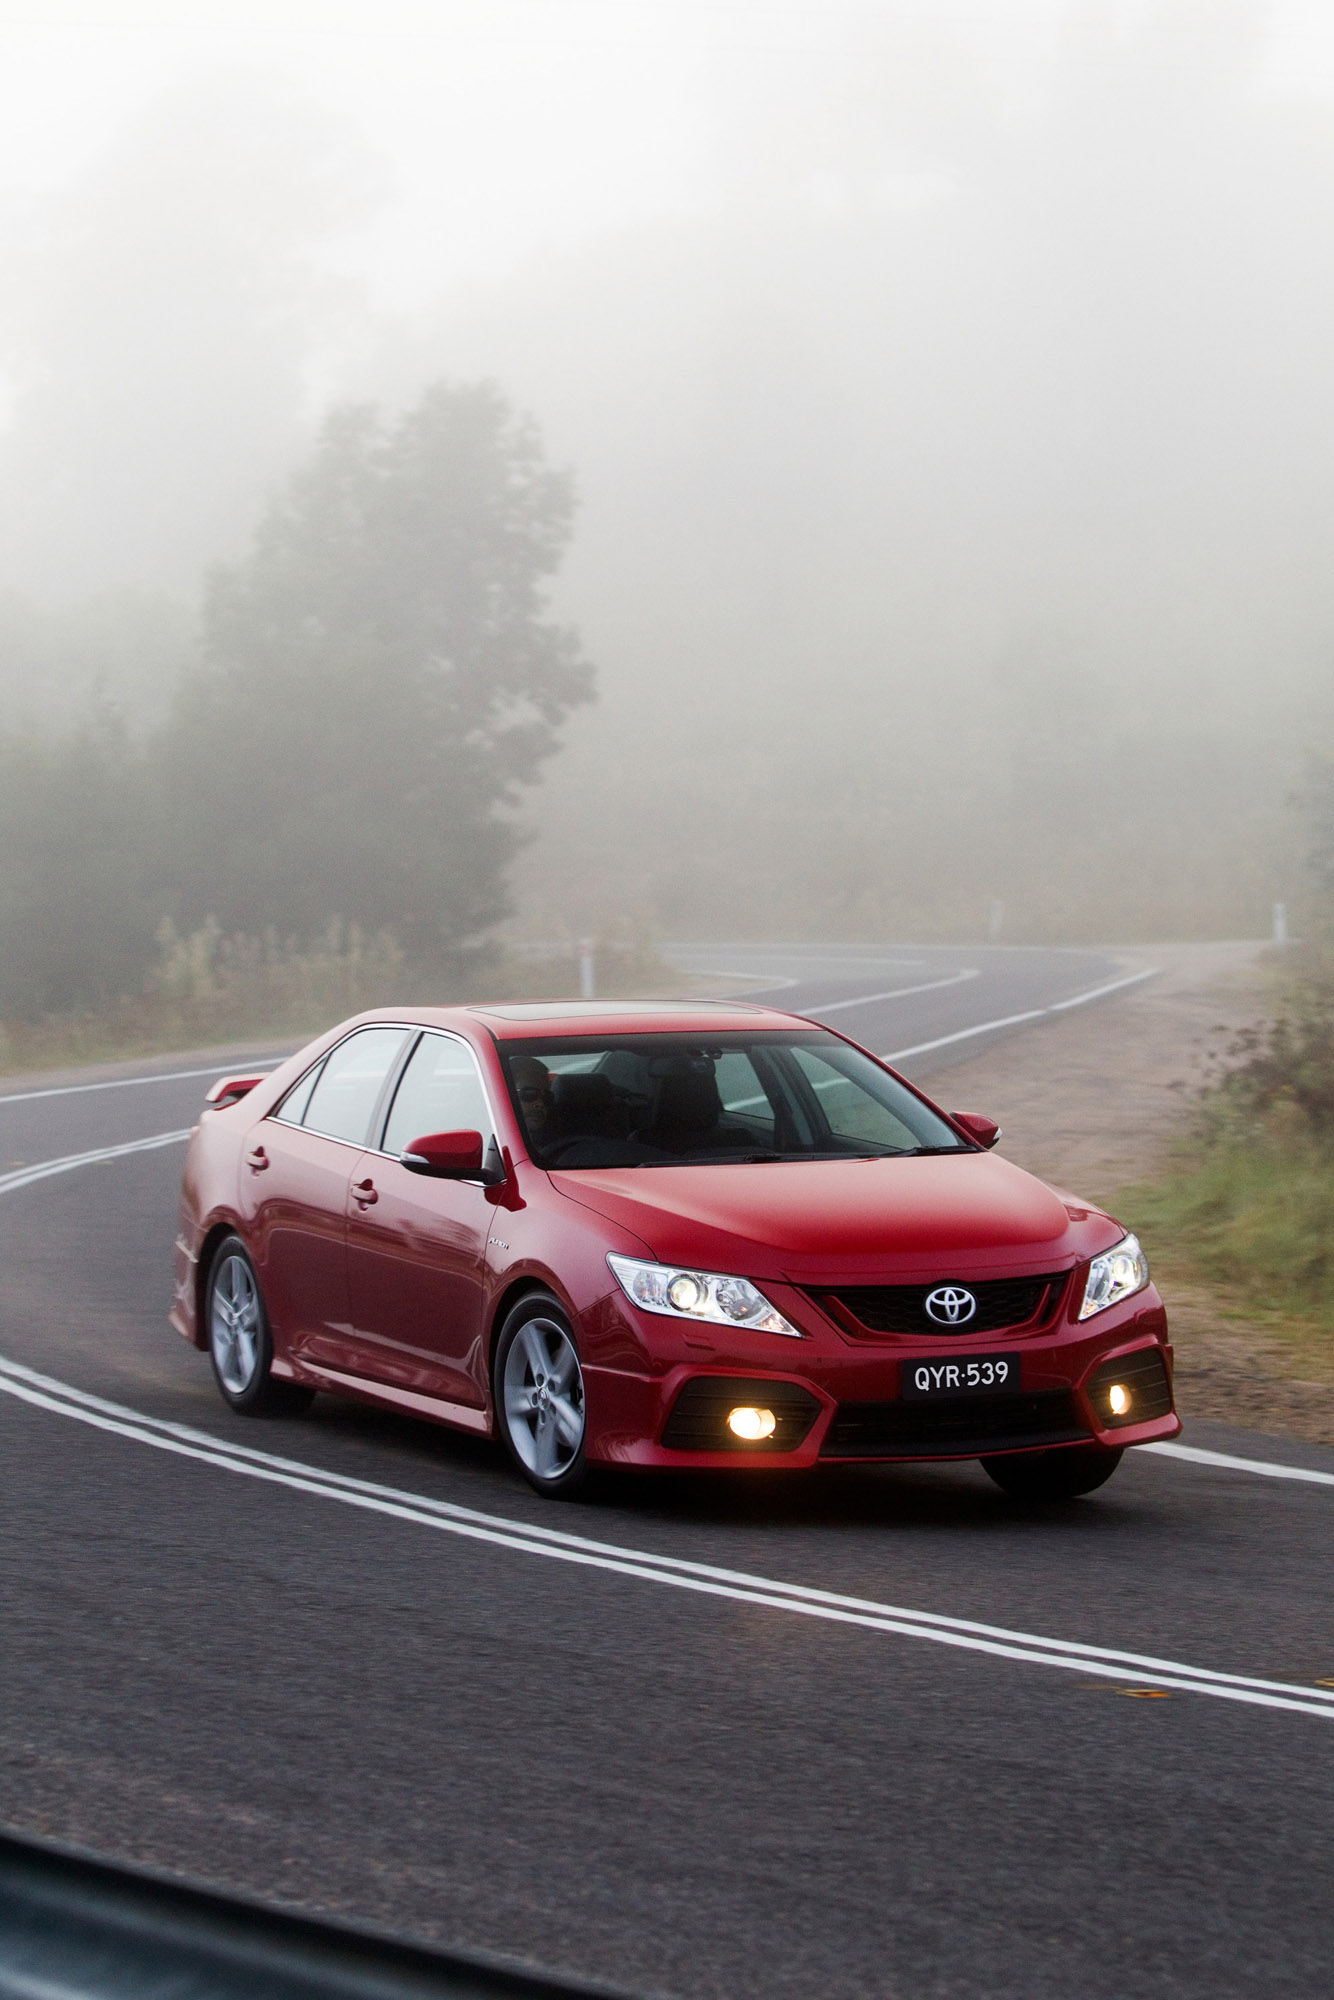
1144,1374
957,1426
1001,1302
699,1415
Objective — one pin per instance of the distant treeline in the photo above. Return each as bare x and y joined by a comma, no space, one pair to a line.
320,795
376,683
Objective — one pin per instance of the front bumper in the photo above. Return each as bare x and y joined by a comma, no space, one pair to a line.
835,1405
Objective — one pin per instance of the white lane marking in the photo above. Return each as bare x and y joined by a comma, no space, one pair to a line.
772,982
1225,1461
128,1082
898,992
1033,1649
1032,1014
43,1169
766,983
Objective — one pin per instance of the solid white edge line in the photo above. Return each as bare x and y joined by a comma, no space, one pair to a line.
898,992
965,1034
766,984
1226,1462
737,1586
1101,992
29,1383
42,1170
126,1082
1032,1014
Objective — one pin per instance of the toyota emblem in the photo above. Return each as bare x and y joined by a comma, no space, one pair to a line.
950,1305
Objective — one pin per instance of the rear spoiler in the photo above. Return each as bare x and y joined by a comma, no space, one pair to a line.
231,1089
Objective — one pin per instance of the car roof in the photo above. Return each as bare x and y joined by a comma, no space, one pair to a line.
529,1019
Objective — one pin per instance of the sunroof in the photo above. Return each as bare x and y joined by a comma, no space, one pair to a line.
564,1010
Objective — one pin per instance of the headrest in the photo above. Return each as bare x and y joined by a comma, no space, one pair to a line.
581,1093
687,1102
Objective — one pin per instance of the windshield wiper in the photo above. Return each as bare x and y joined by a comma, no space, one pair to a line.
756,1159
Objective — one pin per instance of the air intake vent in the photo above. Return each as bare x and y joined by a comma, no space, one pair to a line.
958,1427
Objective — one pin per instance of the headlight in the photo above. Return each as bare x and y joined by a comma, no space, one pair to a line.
680,1294
1114,1276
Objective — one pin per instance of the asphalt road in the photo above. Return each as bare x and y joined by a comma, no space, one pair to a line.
357,1700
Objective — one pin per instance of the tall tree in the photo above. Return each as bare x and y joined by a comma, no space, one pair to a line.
382,677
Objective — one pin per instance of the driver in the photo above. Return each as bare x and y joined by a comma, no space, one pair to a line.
532,1086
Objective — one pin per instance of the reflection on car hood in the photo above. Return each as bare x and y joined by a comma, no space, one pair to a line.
837,1220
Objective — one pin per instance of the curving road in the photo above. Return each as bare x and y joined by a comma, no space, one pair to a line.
879,1732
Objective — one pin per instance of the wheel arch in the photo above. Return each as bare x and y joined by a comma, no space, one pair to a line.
216,1234
504,1305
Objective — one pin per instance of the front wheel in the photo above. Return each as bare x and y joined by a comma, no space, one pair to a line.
1054,1475
538,1387
240,1342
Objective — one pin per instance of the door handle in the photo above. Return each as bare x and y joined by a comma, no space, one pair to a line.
257,1159
364,1192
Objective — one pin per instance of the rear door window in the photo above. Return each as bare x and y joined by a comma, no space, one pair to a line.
293,1107
349,1086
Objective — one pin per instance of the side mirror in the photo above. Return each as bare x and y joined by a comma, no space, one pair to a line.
449,1156
985,1130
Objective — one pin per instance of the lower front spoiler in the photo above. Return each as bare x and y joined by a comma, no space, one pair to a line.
639,1426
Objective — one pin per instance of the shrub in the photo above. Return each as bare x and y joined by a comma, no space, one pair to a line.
1249,1205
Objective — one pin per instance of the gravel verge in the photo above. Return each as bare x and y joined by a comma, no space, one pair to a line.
1094,1101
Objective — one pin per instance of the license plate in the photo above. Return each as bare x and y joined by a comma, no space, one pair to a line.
976,1375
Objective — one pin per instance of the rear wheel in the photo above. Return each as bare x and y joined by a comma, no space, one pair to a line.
240,1342
538,1387
1054,1475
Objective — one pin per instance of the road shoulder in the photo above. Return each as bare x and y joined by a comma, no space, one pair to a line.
1095,1100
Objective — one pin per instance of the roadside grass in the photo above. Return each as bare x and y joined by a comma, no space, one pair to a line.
1250,1224
209,990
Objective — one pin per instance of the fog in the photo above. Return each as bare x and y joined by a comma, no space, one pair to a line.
947,393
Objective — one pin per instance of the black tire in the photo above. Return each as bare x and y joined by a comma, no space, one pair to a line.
538,1390
1054,1475
240,1344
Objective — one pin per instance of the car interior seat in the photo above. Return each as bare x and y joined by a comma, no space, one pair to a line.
586,1107
687,1111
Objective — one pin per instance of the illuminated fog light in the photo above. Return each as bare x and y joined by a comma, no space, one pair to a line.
752,1425
687,1294
1119,1398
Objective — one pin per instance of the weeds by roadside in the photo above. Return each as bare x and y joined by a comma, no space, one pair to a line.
1246,1208
207,989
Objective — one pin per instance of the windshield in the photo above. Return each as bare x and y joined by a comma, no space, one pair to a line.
673,1100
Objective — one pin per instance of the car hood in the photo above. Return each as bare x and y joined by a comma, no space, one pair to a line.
837,1221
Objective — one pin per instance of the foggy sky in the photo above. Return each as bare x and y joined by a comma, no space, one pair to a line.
943,385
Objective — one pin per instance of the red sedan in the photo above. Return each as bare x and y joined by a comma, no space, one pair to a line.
694,1235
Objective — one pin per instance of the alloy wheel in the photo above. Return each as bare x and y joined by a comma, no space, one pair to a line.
236,1325
543,1395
